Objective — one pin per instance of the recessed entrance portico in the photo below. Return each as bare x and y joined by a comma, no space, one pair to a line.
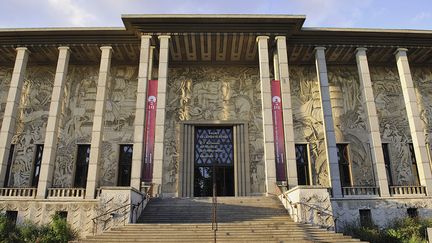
214,149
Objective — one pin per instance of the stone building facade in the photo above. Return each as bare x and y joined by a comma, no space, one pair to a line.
356,115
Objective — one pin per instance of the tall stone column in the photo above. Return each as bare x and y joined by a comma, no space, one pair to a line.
373,123
414,120
51,133
329,135
269,150
159,148
287,111
98,122
10,114
138,147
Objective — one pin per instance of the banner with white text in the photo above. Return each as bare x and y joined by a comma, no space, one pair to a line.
149,132
278,130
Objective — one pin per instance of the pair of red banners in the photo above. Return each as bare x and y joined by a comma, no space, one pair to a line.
150,126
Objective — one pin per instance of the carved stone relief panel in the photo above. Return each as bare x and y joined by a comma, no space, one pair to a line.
208,93
422,78
119,120
393,121
76,120
80,213
31,122
307,117
5,78
349,121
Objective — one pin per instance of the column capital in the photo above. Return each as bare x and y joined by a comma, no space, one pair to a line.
280,37
146,36
400,51
164,36
319,48
361,50
105,48
22,49
66,48
262,37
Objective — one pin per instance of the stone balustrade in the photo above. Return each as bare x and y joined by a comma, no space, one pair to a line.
18,192
407,190
66,192
360,191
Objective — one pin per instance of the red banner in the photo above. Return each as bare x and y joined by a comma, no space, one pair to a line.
149,132
278,130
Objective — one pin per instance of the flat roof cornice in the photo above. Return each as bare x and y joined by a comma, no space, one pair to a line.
213,23
189,24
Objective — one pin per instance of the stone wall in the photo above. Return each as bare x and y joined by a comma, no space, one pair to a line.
393,119
77,120
383,211
350,118
115,206
31,122
422,78
308,121
119,119
5,78
208,93
80,212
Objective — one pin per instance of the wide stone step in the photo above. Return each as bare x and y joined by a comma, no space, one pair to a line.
244,219
211,240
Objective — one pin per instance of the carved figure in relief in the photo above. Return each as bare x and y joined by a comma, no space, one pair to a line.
348,113
31,122
213,93
226,91
307,119
186,91
400,153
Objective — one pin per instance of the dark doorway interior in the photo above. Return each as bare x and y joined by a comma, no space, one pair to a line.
214,157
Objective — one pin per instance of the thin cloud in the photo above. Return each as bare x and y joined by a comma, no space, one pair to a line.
422,16
319,13
74,14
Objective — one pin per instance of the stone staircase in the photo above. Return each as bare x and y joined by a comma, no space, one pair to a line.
241,219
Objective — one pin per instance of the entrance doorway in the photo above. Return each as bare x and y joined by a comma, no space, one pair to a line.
213,161
223,144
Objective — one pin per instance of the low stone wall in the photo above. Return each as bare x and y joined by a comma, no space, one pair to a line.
115,205
383,210
309,204
80,211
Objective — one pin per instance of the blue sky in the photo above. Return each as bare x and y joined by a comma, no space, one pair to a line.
394,14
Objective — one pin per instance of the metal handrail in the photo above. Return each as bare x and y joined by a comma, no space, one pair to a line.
214,205
134,210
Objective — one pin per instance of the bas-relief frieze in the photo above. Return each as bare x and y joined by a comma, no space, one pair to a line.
307,118
77,117
205,93
393,121
422,78
349,118
76,120
31,122
5,78
119,120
